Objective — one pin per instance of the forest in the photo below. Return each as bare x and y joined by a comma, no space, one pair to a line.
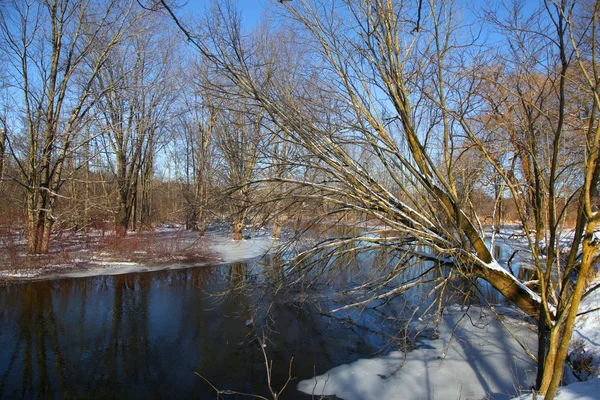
438,127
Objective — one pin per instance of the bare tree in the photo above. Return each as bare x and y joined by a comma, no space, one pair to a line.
399,80
2,150
198,122
3,127
135,83
552,119
239,137
49,46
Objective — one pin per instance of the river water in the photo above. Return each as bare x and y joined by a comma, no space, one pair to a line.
148,335
154,334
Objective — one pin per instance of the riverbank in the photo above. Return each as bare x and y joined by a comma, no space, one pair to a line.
95,254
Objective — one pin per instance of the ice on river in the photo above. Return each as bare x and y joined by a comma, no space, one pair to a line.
481,360
230,251
222,249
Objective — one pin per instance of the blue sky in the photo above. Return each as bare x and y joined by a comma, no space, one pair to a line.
251,9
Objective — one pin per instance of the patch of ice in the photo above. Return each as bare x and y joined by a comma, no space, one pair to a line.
117,264
222,249
230,251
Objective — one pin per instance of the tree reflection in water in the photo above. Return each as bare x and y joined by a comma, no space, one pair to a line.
146,334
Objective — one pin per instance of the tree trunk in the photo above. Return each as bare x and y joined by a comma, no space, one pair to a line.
543,345
32,222
124,213
277,225
238,227
39,222
146,185
146,201
553,377
86,203
46,232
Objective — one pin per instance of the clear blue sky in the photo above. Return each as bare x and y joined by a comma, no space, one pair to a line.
251,9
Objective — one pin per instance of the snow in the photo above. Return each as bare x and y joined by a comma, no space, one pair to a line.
585,343
482,359
494,265
21,273
588,390
230,251
222,250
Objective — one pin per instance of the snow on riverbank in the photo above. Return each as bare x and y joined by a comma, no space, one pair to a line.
480,360
585,343
183,250
588,390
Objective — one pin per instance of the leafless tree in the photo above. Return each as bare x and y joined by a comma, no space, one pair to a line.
48,45
401,81
239,137
137,92
2,150
198,121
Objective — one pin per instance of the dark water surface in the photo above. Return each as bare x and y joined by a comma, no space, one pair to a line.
145,335
148,335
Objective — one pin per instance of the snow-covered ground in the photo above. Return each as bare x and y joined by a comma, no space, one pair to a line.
588,390
586,336
213,249
585,345
480,359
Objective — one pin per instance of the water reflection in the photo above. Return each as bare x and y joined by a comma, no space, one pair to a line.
144,335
